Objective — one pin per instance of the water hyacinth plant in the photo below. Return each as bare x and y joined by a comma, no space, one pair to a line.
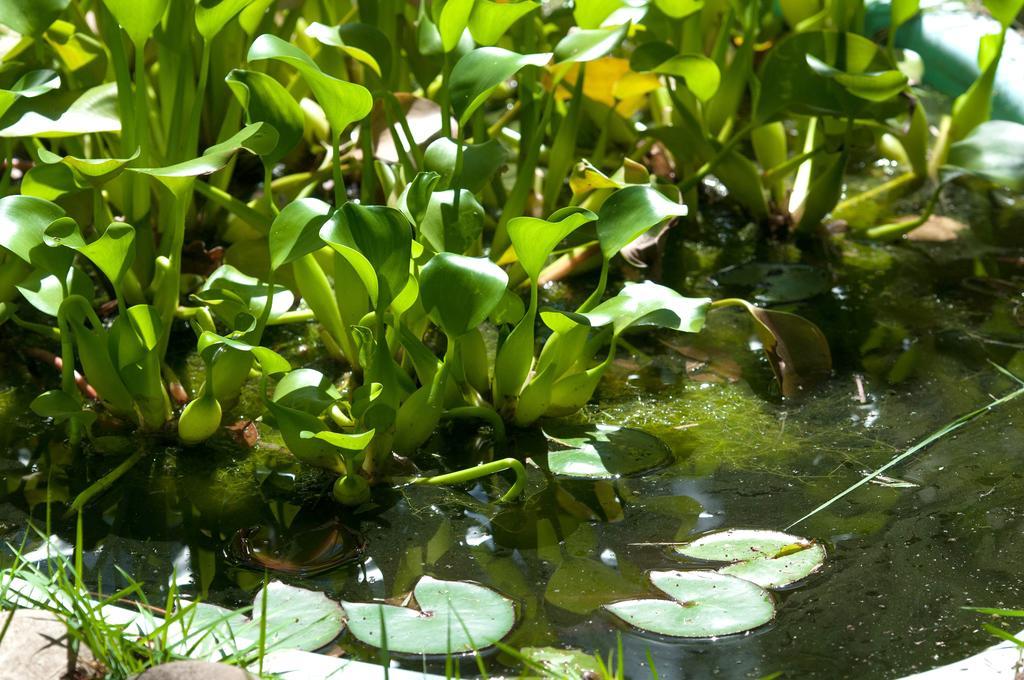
409,176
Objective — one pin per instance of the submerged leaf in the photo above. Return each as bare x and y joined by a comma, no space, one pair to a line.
603,451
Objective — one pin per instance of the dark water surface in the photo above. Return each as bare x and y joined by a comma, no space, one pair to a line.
912,329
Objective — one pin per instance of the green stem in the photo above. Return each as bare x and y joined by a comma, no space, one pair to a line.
67,371
469,474
896,229
103,483
340,197
251,216
485,413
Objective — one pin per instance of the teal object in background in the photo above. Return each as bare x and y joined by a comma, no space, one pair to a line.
946,35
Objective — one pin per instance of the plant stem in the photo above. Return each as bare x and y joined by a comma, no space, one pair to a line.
103,483
469,474
485,413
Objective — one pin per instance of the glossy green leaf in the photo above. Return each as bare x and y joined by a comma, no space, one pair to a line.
877,87
534,239
344,103
602,451
648,304
46,292
590,14
702,75
994,151
459,292
229,292
588,45
490,20
628,213
23,223
479,72
443,230
65,114
93,172
453,21
31,17
771,559
267,101
137,17
377,242
902,11
296,230
678,9
453,617
479,163
704,604
32,84
365,43
258,138
306,390
113,252
213,15
61,407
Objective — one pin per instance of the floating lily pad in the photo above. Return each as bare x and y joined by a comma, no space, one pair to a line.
603,451
770,559
296,619
563,663
453,617
704,604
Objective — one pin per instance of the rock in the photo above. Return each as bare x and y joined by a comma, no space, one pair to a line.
36,648
195,670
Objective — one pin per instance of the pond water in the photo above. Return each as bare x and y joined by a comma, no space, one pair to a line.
911,327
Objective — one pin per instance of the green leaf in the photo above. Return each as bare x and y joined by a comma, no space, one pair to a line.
23,223
259,138
137,17
229,292
453,22
902,11
678,9
93,172
296,618
591,14
267,101
479,163
589,44
365,43
453,617
213,15
32,84
377,242
480,71
994,151
771,559
879,86
306,390
647,304
1005,11
65,114
61,407
628,213
45,291
534,239
602,451
459,292
702,75
296,230
343,103
348,442
563,663
443,230
113,252
31,17
490,20
706,604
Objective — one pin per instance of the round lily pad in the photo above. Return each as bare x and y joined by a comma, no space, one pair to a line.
703,604
453,617
770,559
602,451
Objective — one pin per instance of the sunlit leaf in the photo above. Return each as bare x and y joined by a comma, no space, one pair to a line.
267,101
588,45
490,20
477,73
630,212
296,230
771,559
65,114
459,292
137,17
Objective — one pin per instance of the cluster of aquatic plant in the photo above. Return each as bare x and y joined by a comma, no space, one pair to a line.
409,176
